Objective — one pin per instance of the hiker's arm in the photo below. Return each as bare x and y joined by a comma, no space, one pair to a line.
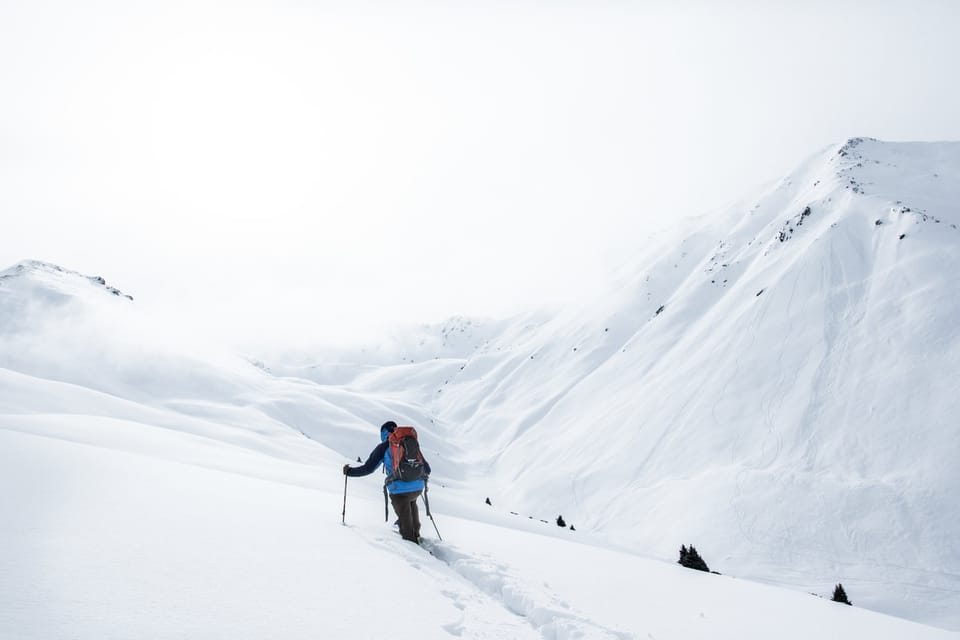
368,467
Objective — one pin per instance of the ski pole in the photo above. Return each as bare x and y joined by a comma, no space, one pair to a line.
344,514
426,503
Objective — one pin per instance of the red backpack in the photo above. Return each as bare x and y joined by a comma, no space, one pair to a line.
405,456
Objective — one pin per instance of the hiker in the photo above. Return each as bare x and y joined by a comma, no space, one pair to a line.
403,493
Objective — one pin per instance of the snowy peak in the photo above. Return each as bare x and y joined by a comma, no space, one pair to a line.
893,169
874,194
57,323
55,279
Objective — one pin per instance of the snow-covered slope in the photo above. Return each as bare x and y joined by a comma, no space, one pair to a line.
100,543
68,349
777,385
153,490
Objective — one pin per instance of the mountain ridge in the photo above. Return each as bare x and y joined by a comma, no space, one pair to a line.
56,277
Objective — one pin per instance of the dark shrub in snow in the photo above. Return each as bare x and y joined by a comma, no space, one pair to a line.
691,559
839,595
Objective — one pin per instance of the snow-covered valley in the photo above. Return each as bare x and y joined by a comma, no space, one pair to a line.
776,385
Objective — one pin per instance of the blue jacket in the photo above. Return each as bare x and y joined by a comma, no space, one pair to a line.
381,455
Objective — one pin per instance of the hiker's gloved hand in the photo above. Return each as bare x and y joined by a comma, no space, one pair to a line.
346,468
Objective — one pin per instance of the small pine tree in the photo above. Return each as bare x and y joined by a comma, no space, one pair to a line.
839,595
691,559
572,528
358,459
560,522
488,502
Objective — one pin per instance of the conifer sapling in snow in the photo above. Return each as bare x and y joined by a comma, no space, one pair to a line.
691,559
560,522
839,595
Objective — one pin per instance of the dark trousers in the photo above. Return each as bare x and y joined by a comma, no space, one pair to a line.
405,506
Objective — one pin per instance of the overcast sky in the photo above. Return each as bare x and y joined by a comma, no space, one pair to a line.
327,168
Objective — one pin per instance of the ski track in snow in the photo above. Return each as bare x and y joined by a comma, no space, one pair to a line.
471,581
551,617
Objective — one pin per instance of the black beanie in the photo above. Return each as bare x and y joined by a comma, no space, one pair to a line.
388,426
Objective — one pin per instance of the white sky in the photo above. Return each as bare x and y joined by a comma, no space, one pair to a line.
292,168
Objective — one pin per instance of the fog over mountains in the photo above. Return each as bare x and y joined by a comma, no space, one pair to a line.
775,384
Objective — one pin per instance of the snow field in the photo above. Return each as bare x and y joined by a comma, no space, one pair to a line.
109,543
